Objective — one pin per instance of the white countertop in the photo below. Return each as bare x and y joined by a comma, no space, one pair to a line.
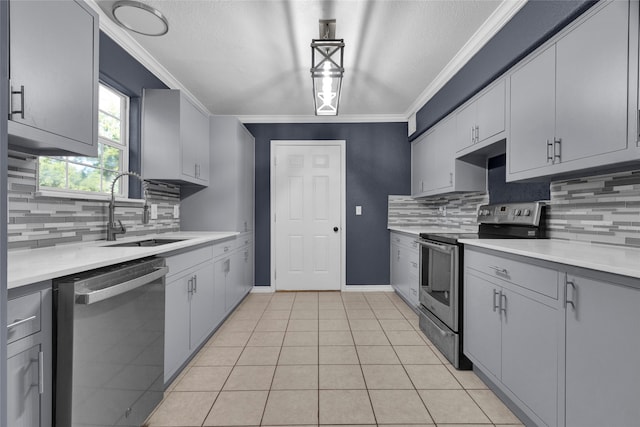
611,259
34,265
428,229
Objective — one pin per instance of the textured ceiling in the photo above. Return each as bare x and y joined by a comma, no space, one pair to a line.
252,57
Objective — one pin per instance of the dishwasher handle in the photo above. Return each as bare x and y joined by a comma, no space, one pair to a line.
92,297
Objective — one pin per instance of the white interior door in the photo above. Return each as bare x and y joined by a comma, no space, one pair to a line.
307,215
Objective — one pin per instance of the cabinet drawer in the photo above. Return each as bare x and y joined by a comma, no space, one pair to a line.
224,248
183,261
404,240
23,316
535,278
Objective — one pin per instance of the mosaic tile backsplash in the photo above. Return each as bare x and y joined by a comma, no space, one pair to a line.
600,209
36,221
450,211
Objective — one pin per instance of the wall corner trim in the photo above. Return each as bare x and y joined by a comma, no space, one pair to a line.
503,14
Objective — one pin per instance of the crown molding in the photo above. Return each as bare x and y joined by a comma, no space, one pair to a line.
355,118
133,48
494,23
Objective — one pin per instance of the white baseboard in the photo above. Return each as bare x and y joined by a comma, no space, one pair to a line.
367,288
262,290
346,288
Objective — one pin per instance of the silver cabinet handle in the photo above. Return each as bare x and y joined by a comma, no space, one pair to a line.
473,134
190,286
557,143
41,372
495,303
568,301
477,134
499,270
414,264
21,321
21,110
195,283
450,178
503,307
398,255
92,297
549,146
226,248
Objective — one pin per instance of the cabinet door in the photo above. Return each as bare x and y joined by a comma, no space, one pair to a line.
440,157
202,303
219,281
490,110
395,266
191,134
482,326
176,329
592,79
532,113
247,167
602,375
418,165
530,337
23,388
247,269
53,54
466,127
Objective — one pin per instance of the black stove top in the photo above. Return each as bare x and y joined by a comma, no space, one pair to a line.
506,221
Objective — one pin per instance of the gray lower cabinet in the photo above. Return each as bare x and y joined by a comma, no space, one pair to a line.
29,356
53,112
513,330
404,267
560,342
603,346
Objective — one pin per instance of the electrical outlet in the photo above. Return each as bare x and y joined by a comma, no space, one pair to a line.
358,210
176,211
154,211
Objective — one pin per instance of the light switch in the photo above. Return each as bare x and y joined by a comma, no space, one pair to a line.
358,210
154,211
176,211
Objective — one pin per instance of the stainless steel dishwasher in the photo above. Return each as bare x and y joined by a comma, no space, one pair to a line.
109,344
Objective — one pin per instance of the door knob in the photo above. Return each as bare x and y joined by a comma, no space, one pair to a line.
335,229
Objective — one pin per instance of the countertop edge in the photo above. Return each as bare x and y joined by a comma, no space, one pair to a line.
95,254
622,261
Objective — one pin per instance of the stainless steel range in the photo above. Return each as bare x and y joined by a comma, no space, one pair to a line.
441,267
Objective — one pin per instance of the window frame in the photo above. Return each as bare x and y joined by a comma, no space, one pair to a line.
123,146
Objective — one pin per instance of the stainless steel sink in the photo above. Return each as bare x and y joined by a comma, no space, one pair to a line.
145,243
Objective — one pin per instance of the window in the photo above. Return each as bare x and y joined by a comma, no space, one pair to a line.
94,174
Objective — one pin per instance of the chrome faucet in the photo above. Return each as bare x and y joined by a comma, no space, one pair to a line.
112,228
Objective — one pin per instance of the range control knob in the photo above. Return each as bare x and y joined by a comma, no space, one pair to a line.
527,212
517,212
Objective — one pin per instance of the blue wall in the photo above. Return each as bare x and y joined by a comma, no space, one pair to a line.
378,162
123,72
501,191
534,24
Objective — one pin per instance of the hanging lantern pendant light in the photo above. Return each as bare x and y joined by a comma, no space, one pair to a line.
327,54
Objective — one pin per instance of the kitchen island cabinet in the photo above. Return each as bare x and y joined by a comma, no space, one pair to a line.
53,63
29,356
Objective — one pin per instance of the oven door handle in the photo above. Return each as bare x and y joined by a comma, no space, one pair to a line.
447,249
92,297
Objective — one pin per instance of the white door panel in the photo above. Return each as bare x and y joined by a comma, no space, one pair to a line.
308,205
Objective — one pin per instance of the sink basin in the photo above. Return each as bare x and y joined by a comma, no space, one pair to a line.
144,243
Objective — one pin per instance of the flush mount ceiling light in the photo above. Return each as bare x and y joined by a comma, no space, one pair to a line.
140,18
326,69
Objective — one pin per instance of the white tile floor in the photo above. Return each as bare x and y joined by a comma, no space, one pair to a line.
325,358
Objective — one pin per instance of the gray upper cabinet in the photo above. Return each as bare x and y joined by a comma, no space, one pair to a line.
570,107
228,202
603,344
483,118
175,138
434,168
53,64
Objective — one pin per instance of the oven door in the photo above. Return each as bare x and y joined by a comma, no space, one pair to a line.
439,280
